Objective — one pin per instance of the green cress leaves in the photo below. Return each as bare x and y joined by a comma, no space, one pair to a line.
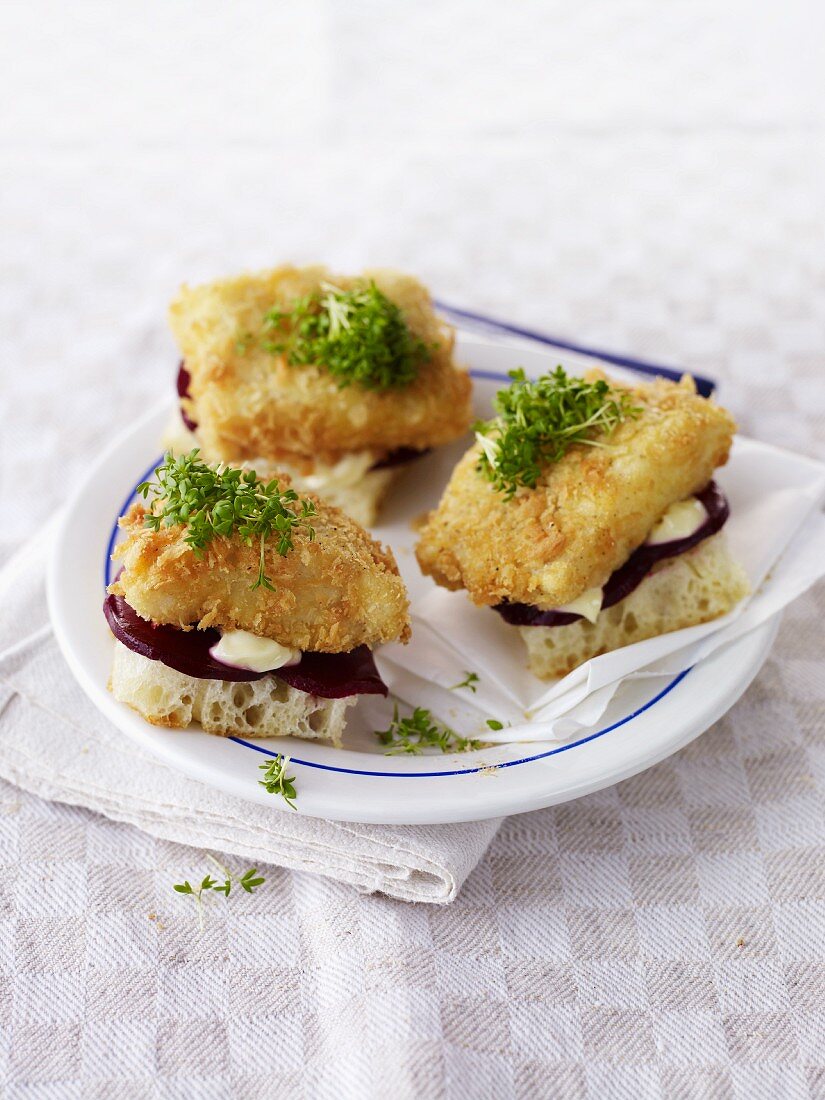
213,501
358,335
276,781
249,882
538,422
469,682
412,735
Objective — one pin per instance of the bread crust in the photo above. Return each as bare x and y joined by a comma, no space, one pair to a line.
258,708
695,587
251,404
588,512
332,593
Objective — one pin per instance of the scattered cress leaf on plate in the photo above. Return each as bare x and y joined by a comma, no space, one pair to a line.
469,681
419,731
538,421
358,335
217,501
276,781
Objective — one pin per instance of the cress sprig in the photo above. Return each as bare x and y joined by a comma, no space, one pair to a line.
359,335
217,501
249,882
420,731
538,422
470,681
276,781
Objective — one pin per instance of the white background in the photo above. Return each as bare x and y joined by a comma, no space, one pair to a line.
648,175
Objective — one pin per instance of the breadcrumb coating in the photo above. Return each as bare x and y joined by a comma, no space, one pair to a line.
332,593
251,404
589,511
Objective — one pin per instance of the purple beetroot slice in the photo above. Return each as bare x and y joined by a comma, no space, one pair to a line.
629,576
184,378
399,457
326,675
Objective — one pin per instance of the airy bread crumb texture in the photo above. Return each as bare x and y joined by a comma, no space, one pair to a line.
694,587
256,708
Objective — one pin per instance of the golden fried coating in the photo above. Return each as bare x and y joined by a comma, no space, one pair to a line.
333,593
251,404
588,512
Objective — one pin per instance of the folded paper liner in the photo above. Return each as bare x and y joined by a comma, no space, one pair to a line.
775,531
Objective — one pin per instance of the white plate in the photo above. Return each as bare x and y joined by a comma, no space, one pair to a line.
646,721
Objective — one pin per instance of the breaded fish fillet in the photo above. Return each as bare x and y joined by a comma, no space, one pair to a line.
589,511
332,593
251,404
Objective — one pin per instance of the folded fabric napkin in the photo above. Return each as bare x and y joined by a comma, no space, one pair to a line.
55,743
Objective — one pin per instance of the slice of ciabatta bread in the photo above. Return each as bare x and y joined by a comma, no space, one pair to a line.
692,588
252,708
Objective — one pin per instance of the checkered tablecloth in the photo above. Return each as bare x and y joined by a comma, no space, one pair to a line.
639,176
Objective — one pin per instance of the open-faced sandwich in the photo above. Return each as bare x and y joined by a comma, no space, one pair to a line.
337,381
247,608
586,516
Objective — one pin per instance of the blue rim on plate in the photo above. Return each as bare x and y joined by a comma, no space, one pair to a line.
705,388
481,322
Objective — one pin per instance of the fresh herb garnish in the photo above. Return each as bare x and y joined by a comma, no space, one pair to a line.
494,724
359,335
469,681
539,421
412,735
213,501
248,882
276,781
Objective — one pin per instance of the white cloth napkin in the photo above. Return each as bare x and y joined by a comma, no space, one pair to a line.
54,743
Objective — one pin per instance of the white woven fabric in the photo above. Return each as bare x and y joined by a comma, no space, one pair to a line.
641,176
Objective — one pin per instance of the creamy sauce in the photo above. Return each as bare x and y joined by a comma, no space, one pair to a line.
588,605
347,471
242,649
678,522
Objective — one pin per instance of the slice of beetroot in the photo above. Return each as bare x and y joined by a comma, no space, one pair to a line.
399,457
327,675
629,576
184,378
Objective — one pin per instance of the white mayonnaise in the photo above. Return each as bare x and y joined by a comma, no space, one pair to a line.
347,471
241,649
679,521
588,605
